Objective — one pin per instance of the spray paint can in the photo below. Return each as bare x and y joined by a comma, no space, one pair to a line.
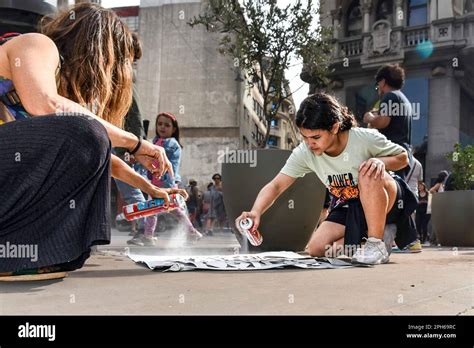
245,227
151,207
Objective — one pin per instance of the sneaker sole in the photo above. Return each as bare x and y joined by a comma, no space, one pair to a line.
381,262
365,263
407,251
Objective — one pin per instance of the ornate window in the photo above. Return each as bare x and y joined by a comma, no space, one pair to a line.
417,12
274,141
354,19
384,10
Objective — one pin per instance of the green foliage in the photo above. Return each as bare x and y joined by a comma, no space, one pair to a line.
259,33
463,166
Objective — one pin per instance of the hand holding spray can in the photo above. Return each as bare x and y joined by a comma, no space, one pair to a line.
151,207
245,227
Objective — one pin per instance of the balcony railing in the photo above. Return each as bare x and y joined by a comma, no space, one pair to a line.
349,48
415,36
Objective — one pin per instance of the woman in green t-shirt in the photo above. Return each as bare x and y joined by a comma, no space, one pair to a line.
352,163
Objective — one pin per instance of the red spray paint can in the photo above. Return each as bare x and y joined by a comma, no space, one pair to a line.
245,227
151,207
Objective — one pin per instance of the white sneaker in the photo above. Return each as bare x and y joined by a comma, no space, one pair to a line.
374,252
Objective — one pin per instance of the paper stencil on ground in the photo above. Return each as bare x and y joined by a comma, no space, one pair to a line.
241,262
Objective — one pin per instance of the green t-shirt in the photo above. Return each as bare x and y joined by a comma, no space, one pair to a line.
340,173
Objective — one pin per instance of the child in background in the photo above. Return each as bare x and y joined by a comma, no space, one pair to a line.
167,136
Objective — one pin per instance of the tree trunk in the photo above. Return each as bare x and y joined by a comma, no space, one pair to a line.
267,135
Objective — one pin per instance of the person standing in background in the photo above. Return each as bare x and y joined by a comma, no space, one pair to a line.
168,137
193,201
221,216
393,118
440,182
422,218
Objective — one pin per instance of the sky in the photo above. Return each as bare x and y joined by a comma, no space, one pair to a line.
296,84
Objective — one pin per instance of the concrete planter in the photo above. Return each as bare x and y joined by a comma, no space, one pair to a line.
452,215
289,223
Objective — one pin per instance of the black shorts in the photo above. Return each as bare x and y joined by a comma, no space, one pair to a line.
339,214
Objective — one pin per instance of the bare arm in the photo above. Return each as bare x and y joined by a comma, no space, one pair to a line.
376,120
33,59
395,163
267,196
435,188
378,165
120,170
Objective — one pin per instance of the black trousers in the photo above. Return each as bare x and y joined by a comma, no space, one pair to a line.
54,190
422,220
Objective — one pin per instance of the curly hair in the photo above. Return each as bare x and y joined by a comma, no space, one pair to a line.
393,74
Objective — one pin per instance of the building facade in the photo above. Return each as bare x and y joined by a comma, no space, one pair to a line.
434,41
283,133
181,71
253,126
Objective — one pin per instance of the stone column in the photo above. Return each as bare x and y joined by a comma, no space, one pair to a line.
399,20
336,17
443,121
433,10
365,8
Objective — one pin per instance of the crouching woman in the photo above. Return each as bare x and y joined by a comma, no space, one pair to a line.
352,163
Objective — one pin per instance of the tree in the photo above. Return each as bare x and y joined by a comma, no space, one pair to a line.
463,166
264,39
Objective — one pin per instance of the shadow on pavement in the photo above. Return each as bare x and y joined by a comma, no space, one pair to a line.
110,273
28,286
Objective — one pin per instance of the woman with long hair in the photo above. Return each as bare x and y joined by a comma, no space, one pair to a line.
440,182
68,88
422,218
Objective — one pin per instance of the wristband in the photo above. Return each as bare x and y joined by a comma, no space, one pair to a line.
137,147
